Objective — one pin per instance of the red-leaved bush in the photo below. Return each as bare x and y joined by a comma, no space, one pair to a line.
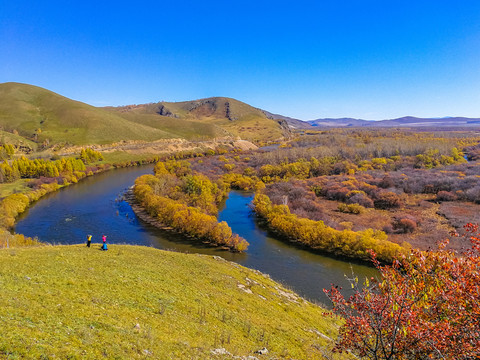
424,306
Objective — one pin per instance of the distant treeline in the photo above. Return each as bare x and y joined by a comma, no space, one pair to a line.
301,168
358,144
284,164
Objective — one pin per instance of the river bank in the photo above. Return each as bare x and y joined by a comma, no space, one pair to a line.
12,206
142,214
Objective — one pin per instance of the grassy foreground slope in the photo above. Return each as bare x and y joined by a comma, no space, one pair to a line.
134,302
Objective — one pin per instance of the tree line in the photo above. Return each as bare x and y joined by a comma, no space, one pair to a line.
24,168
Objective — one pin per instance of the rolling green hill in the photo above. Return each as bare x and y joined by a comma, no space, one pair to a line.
41,115
138,302
35,116
234,116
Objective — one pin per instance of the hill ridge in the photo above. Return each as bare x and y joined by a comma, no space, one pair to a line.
45,119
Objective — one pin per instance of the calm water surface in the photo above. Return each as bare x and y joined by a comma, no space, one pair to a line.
94,206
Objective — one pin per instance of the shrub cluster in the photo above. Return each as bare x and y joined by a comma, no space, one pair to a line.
242,182
6,151
446,196
175,180
473,152
299,200
424,306
351,208
361,189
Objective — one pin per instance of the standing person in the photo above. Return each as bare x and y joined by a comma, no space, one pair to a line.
89,240
104,246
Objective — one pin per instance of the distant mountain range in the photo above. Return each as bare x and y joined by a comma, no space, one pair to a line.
407,121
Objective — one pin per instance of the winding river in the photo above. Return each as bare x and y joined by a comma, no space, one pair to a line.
95,206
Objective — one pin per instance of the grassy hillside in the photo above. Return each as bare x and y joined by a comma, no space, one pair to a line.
233,116
137,302
31,115
178,128
38,114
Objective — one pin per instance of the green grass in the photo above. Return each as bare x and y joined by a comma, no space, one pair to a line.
134,302
177,128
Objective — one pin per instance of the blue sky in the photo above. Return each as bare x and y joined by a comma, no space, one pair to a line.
304,59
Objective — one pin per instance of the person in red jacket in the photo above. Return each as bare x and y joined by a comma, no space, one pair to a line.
104,246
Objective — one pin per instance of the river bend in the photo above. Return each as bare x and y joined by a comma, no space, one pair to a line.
95,206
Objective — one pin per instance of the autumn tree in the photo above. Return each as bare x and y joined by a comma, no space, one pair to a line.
425,306
89,155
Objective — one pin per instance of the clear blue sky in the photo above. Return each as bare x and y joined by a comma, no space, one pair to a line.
305,59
